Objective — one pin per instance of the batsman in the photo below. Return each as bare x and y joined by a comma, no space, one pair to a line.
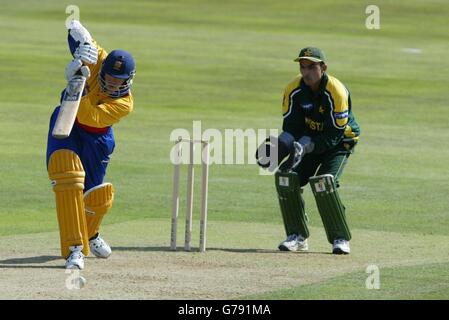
319,134
77,164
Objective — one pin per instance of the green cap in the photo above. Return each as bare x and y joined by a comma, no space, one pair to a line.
312,54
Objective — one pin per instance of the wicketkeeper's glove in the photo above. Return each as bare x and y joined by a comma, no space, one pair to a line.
274,150
301,147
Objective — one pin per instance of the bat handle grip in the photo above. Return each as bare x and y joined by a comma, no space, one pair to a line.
79,72
84,71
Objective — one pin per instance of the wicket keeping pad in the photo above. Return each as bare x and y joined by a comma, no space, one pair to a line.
97,201
332,211
291,203
66,173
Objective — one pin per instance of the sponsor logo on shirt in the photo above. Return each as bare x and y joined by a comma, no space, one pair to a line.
341,115
307,106
314,125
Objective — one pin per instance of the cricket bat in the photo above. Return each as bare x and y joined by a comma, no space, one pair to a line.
69,107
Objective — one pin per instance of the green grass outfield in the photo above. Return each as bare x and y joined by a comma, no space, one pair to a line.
226,64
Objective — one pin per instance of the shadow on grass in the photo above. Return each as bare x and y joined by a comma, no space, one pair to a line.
29,262
234,250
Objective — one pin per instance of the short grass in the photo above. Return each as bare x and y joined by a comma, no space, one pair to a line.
226,64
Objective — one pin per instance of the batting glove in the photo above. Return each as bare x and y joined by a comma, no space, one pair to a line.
78,32
87,52
73,67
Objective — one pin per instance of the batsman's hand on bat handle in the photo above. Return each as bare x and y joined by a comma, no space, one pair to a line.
76,67
78,32
87,52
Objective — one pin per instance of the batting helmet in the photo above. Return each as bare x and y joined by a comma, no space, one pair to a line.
119,64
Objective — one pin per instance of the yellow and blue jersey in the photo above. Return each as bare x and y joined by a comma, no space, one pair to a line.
92,136
326,116
97,109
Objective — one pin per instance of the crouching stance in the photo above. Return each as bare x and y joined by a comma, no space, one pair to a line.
319,134
77,164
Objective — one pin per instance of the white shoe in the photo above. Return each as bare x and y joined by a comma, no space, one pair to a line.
76,258
99,247
294,243
341,246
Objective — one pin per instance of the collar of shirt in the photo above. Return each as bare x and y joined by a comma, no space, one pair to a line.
321,88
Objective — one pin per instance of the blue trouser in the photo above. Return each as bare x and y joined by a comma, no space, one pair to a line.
93,150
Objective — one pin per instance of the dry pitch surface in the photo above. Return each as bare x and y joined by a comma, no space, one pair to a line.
241,260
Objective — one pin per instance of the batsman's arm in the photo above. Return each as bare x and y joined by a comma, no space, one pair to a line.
105,114
83,46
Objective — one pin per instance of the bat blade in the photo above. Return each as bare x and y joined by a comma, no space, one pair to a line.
69,107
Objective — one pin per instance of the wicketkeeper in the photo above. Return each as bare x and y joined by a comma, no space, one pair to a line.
77,165
319,134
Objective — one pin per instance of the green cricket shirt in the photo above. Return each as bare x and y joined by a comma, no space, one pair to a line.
325,116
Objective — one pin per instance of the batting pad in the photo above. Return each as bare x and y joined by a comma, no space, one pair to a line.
97,202
291,203
67,177
332,211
